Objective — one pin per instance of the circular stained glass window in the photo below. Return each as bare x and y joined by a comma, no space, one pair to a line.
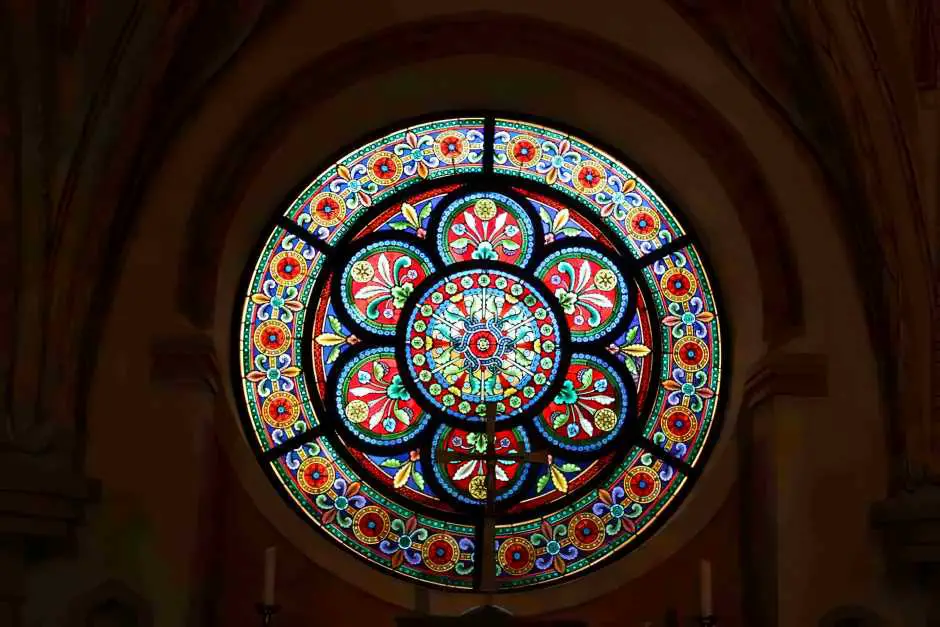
480,353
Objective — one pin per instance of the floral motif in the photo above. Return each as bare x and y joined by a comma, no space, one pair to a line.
523,151
478,337
335,339
328,209
392,284
619,197
451,147
557,549
591,292
419,153
276,301
630,351
384,168
354,185
691,386
619,514
406,547
557,161
405,470
485,227
557,475
465,472
576,295
273,373
337,504
585,412
678,425
377,397
413,219
589,177
560,224
485,239
379,280
693,316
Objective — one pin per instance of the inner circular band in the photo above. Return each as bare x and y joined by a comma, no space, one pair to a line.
479,337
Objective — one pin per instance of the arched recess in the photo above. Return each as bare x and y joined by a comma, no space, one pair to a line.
674,165
684,142
520,37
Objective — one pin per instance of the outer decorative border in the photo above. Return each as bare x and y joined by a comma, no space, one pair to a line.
566,168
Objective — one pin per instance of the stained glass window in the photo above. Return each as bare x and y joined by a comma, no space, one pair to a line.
480,353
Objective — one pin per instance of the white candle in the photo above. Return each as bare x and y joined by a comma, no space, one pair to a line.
270,562
706,587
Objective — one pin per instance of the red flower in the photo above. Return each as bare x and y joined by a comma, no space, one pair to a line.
589,177
288,268
524,151
677,284
642,484
450,145
690,353
326,209
384,168
643,223
680,423
272,338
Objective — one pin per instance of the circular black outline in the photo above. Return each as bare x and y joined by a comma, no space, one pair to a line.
477,187
628,271
475,510
338,269
627,432
489,116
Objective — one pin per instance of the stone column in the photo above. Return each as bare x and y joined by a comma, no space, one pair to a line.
782,398
186,383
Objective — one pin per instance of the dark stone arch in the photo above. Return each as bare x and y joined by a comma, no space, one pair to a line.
512,36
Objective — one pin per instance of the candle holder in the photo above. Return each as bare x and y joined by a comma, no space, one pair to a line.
267,612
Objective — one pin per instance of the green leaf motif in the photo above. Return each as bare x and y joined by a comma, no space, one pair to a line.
586,377
400,294
336,325
334,354
378,370
543,481
631,334
402,416
418,479
631,365
570,468
391,462
566,395
397,390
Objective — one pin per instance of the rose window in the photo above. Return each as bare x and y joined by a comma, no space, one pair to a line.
480,328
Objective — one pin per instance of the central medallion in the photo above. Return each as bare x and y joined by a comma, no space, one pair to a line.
482,336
